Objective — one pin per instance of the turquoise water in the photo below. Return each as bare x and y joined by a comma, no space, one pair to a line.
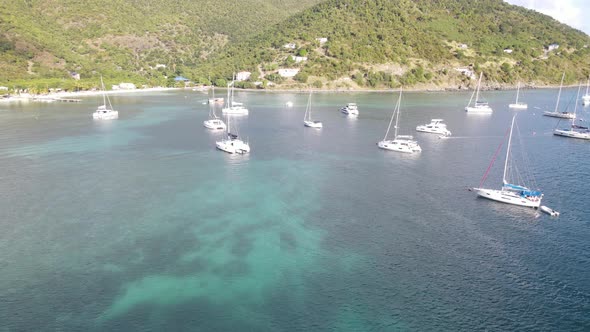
140,224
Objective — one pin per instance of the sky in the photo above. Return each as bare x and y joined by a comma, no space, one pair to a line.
570,12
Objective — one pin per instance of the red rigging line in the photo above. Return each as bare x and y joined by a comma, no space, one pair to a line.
485,176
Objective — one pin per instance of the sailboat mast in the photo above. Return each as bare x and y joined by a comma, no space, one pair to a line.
559,94
391,120
399,103
508,150
576,107
517,92
104,95
478,84
587,85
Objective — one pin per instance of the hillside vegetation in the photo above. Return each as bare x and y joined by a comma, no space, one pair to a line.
370,43
381,43
44,40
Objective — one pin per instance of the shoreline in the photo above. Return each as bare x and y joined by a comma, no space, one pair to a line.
56,96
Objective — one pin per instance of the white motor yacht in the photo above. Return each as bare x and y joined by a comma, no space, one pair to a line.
350,109
436,126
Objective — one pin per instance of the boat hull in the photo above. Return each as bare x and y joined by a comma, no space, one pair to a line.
236,110
400,146
313,124
439,131
549,211
111,115
478,109
507,197
214,124
234,146
518,106
565,115
572,134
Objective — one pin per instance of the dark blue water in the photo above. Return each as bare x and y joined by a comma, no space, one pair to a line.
140,224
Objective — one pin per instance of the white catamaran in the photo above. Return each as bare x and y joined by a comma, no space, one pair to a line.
399,143
518,104
574,130
510,193
479,106
307,121
556,113
232,106
232,143
104,111
214,122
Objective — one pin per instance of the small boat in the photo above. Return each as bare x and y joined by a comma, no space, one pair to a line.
436,126
479,107
574,130
218,100
510,193
549,211
307,121
350,109
104,112
518,105
556,113
399,143
289,104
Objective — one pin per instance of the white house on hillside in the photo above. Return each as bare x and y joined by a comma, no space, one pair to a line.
508,50
290,45
243,76
322,40
299,58
467,72
288,72
552,47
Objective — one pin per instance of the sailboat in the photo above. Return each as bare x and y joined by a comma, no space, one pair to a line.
574,131
555,113
104,112
478,106
399,143
586,97
307,121
232,106
213,122
518,105
232,143
510,193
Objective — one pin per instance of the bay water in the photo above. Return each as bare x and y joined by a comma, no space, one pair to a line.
140,224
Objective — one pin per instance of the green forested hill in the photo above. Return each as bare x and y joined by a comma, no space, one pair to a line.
371,43
124,38
381,43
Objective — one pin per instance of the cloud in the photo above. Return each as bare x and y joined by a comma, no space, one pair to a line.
570,12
